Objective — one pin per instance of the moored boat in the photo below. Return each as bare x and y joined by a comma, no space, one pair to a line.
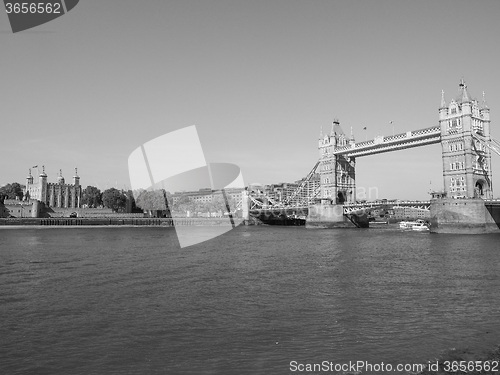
407,224
420,225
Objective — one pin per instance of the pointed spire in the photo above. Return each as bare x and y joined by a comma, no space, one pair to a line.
484,104
352,135
76,172
443,102
464,95
332,131
60,172
321,132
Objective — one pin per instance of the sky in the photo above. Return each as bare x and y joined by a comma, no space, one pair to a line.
259,79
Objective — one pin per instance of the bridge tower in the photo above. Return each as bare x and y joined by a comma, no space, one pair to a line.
466,161
337,172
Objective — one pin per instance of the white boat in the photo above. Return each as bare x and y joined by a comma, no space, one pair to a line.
420,226
407,224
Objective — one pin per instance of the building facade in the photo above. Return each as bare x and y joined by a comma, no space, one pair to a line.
409,213
58,194
281,191
208,195
466,160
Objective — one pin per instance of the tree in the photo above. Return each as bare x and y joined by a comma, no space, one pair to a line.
183,205
92,197
151,200
156,200
131,203
114,199
11,191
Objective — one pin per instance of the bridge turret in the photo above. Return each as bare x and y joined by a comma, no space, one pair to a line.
464,99
466,165
443,109
351,140
337,173
484,113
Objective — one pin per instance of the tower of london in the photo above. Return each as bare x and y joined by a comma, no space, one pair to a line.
54,194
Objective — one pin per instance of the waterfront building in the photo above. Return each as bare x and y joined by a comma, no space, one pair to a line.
207,195
311,189
405,213
58,194
280,192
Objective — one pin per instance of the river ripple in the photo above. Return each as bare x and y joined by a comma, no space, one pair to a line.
130,301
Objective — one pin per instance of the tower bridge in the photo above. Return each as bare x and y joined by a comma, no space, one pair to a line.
463,131
466,145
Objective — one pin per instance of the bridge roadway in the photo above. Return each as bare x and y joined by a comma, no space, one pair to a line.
382,144
348,208
298,215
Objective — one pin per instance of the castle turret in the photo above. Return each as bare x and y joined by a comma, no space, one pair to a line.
76,178
43,185
60,178
29,179
35,209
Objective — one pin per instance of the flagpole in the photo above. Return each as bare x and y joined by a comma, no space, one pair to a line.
392,123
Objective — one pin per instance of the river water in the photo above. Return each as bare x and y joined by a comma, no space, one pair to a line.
131,301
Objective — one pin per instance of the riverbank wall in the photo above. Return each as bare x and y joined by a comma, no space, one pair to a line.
114,221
